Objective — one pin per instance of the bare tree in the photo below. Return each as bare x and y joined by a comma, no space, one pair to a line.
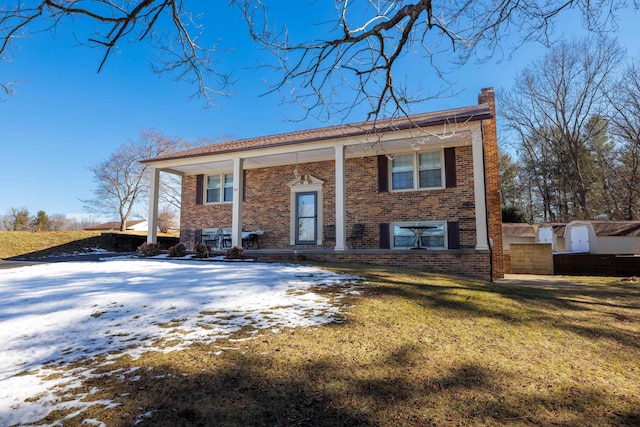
355,60
545,185
59,222
122,180
166,219
554,101
624,97
17,219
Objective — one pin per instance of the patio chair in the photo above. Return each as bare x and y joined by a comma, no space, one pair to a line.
220,239
225,239
357,234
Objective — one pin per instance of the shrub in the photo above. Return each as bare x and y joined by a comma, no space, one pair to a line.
202,251
235,252
149,249
178,250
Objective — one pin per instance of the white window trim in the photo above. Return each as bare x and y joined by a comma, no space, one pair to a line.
306,183
416,172
206,182
392,225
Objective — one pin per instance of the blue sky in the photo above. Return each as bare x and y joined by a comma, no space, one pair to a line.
65,117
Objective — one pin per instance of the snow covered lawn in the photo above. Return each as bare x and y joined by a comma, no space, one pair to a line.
55,314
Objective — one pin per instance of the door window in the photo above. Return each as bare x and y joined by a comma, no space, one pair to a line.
306,218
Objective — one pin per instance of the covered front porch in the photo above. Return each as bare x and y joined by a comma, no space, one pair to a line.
306,194
328,189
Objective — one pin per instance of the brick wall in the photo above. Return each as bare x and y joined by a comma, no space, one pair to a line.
267,203
267,206
492,178
469,263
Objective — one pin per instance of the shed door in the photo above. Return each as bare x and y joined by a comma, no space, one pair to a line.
580,239
545,235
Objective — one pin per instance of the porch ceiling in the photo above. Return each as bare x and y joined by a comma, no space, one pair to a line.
305,154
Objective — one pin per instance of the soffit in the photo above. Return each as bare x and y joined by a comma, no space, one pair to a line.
442,135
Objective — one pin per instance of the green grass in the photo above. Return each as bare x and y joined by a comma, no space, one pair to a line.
414,349
20,243
48,243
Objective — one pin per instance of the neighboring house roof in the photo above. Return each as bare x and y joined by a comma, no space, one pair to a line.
456,115
613,228
114,225
518,230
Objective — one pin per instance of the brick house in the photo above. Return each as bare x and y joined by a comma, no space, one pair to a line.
309,190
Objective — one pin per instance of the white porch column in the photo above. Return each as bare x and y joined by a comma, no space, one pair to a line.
152,219
236,220
341,238
479,190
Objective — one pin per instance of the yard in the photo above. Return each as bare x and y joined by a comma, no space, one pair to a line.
170,343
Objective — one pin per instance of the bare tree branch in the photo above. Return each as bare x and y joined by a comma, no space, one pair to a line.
165,24
355,61
372,41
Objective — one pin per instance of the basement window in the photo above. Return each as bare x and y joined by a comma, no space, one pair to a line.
432,238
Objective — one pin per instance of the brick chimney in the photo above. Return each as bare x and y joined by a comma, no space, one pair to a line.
492,182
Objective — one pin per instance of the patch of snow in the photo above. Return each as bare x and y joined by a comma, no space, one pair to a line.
54,314
143,417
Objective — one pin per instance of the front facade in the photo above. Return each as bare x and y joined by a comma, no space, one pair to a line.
355,193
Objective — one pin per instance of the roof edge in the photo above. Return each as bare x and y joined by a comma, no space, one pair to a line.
461,115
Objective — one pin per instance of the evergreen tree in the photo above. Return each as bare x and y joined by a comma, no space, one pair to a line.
41,222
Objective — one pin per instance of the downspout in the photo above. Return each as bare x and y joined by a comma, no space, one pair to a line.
486,205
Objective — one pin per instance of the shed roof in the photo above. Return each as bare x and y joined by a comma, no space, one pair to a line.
616,228
518,230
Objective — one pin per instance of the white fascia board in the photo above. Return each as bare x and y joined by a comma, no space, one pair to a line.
443,136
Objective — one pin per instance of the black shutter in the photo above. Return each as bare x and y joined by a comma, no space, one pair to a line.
383,174
385,238
199,188
244,185
450,167
453,234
